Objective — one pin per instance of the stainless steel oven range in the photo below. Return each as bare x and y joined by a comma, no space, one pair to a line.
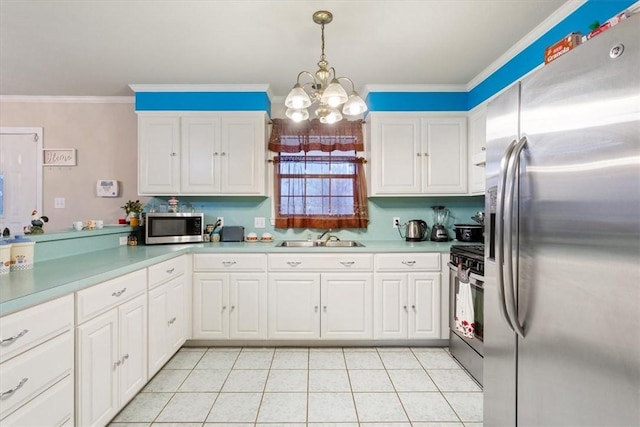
466,263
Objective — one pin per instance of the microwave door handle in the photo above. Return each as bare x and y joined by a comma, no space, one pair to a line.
499,233
511,281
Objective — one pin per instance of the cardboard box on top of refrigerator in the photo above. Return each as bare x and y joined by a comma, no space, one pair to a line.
558,49
610,23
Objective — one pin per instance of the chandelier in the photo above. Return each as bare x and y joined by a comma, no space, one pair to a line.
325,89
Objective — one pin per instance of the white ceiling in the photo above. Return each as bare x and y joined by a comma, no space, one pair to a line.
99,47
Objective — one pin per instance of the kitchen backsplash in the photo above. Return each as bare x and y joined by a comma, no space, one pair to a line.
243,211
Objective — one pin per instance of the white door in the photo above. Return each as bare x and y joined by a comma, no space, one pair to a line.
424,305
248,306
347,306
445,155
242,155
294,305
158,155
390,306
96,373
20,177
177,320
133,347
158,336
396,154
200,145
210,305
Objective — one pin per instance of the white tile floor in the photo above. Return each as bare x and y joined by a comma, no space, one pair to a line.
316,387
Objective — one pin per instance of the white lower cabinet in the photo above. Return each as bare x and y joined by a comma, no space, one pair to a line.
309,303
229,305
228,301
111,356
36,365
407,304
167,322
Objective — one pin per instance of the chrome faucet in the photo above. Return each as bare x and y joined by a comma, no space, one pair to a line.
329,236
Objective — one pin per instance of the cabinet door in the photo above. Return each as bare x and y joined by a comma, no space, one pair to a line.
390,306
158,334
347,305
424,305
247,306
477,150
132,348
200,155
242,153
210,306
96,370
445,155
177,320
396,155
294,306
158,155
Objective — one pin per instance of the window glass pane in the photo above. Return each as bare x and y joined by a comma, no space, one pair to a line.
342,205
342,186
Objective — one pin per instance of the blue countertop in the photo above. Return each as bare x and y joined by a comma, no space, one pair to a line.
55,278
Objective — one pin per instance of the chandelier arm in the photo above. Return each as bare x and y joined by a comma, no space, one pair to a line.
301,73
353,86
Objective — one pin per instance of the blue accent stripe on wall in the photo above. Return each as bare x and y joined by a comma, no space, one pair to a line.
417,101
524,62
203,101
533,55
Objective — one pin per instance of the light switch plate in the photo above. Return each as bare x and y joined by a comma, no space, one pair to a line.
258,222
59,203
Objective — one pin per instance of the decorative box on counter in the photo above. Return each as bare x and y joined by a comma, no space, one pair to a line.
558,49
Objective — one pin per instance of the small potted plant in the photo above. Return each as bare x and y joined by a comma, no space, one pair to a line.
133,210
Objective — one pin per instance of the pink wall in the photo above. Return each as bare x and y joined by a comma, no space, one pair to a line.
104,133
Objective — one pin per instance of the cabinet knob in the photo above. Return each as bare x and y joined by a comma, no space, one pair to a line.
418,154
315,308
233,307
224,307
413,307
172,154
215,153
223,154
14,338
484,148
426,154
125,357
173,320
405,307
324,308
13,390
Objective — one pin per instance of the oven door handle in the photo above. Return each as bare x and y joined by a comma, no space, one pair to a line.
513,167
499,233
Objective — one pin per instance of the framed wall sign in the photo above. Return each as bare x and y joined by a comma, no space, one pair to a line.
59,157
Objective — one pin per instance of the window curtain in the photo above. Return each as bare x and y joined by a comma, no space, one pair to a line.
290,137
320,192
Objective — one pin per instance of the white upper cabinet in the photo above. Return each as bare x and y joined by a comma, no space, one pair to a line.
417,154
477,149
202,154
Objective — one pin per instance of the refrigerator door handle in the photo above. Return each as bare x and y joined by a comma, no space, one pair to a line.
513,165
499,233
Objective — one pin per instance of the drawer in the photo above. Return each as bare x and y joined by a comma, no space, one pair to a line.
34,371
321,262
166,270
99,298
54,407
25,329
229,262
408,262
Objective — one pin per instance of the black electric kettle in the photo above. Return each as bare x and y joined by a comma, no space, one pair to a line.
416,230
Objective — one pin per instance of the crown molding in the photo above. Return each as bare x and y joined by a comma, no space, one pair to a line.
202,88
69,99
552,20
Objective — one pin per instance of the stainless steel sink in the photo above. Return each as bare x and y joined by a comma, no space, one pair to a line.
315,243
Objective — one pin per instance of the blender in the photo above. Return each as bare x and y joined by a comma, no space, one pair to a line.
438,231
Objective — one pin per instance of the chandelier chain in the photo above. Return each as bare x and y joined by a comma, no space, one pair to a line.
322,56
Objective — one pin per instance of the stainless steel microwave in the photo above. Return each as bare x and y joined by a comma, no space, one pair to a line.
173,228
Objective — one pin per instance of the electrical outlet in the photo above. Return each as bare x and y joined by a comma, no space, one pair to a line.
220,219
123,240
396,222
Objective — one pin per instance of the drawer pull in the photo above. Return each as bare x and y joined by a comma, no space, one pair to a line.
409,263
8,393
117,294
11,340
228,263
347,263
294,263
169,271
172,321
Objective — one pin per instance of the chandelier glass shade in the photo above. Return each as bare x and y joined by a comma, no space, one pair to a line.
323,88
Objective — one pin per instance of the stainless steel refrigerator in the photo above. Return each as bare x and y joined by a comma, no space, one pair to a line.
562,270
